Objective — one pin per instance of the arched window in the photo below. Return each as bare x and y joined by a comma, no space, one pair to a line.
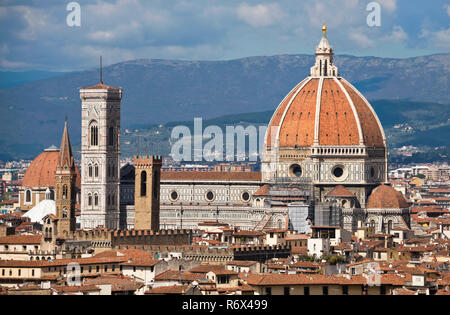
143,184
93,134
389,227
64,192
113,199
96,170
52,194
90,170
28,196
90,200
96,200
64,213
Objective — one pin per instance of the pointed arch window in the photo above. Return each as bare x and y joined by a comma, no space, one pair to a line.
96,170
89,200
96,199
64,213
143,184
93,130
90,170
64,192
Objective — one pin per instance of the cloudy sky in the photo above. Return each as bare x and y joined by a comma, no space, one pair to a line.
34,34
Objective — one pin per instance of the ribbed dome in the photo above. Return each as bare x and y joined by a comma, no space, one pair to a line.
386,197
325,111
41,172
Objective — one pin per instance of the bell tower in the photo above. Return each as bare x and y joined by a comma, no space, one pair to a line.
65,177
100,156
147,192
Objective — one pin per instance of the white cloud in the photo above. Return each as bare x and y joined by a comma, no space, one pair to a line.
388,5
397,35
439,39
448,9
361,39
259,15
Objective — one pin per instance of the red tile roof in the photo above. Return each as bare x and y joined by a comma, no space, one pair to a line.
21,240
41,172
173,289
386,197
340,191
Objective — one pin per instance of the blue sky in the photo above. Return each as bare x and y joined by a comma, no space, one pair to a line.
34,34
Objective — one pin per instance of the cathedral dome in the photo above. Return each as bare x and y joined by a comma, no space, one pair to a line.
324,110
386,197
41,172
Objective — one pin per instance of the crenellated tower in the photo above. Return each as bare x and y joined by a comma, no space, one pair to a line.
147,192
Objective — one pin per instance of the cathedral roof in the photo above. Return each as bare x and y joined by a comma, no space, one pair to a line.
41,172
262,191
41,210
324,109
386,197
210,176
340,191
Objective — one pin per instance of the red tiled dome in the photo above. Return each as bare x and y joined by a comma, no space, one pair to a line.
386,197
326,109
41,172
341,191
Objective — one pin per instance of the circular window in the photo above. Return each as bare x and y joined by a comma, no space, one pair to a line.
209,196
245,196
296,170
339,173
174,196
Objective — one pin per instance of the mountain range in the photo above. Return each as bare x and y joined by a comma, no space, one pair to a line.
161,91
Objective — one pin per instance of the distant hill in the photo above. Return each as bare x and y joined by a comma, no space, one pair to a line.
162,91
404,122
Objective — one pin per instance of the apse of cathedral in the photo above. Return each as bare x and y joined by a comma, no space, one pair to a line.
324,163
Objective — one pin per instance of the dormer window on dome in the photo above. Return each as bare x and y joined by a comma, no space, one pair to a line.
324,66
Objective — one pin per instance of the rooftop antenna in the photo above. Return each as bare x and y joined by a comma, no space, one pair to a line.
101,70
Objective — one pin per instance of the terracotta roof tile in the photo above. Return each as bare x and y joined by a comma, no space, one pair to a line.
41,172
340,191
386,197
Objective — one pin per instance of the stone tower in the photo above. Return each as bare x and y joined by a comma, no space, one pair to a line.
147,191
65,177
100,156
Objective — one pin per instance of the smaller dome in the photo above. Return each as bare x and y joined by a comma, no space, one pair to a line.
386,197
41,172
340,191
